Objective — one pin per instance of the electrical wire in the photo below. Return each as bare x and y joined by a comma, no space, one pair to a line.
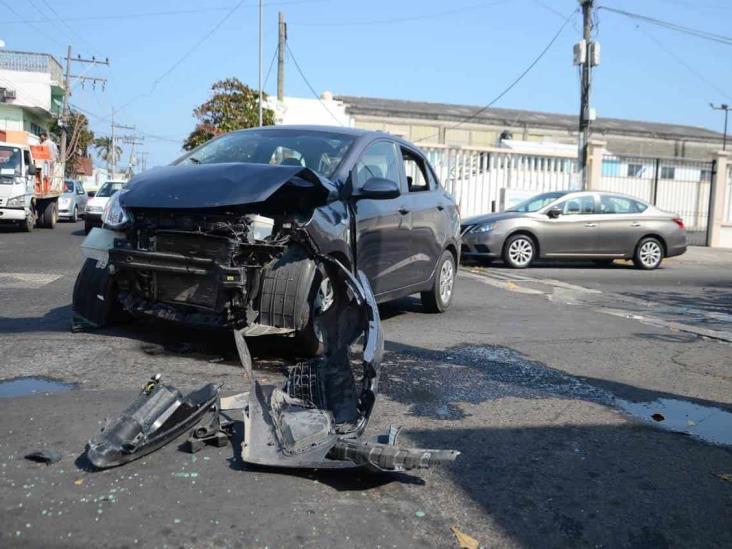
271,64
511,85
312,90
684,64
31,25
402,19
704,35
185,56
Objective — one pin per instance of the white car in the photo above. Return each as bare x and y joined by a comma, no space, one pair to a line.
95,206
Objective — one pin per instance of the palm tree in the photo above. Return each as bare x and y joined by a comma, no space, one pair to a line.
103,146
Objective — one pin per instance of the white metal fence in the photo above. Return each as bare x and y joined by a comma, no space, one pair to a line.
476,176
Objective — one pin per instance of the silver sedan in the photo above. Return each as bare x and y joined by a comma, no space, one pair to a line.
576,225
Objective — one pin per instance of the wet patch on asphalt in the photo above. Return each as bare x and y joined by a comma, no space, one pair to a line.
24,386
434,383
703,422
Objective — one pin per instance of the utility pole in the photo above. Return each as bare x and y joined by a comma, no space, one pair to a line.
586,54
68,77
281,48
723,107
114,142
133,141
261,17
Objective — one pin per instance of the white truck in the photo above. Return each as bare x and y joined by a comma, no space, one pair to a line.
30,182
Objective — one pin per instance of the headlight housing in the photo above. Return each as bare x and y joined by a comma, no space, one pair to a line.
115,216
16,202
484,228
94,209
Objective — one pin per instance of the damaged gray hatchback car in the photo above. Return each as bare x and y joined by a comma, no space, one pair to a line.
229,235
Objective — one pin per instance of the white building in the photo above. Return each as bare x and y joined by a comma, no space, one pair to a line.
31,91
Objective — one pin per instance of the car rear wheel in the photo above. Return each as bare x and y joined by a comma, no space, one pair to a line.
438,299
519,251
648,254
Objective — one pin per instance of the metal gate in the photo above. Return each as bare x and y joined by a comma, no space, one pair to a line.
672,184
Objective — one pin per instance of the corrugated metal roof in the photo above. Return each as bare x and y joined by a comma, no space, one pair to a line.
514,117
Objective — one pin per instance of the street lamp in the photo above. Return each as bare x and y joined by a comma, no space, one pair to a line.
723,107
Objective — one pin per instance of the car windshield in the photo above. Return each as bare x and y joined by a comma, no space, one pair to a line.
68,186
10,163
536,203
322,152
109,188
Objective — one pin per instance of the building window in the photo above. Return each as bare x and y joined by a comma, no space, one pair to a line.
706,176
635,170
36,129
668,172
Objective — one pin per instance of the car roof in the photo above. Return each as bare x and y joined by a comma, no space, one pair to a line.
358,133
611,193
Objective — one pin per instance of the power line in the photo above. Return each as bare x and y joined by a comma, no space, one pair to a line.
312,90
403,19
141,132
185,55
683,63
31,25
140,15
271,64
511,85
704,35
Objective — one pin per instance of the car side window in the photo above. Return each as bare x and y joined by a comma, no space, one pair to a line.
380,160
417,179
80,188
620,205
578,205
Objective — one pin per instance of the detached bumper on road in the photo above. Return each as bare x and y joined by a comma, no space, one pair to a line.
12,214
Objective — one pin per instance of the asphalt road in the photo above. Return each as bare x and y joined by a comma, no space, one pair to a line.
531,375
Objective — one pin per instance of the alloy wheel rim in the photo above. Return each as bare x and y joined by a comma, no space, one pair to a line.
650,254
521,251
447,280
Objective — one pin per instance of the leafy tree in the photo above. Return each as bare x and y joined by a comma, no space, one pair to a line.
233,106
103,146
78,138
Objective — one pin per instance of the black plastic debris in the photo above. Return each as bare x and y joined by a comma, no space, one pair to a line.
159,415
657,417
49,457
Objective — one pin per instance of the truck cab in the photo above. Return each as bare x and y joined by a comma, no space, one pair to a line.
17,185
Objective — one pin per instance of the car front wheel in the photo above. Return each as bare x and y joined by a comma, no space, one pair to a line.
519,251
438,299
648,254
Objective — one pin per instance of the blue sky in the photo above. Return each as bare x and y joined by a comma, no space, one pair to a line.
464,51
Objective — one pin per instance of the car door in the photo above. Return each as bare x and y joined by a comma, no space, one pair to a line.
81,198
382,226
426,205
620,224
574,231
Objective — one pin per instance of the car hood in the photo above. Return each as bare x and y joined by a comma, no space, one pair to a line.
219,185
98,201
492,218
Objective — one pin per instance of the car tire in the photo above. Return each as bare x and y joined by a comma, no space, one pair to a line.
94,302
519,251
74,215
29,223
49,215
648,254
438,299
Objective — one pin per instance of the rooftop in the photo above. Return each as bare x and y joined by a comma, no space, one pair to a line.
24,61
372,106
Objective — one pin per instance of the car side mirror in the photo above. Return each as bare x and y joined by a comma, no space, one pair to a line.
32,170
553,213
378,188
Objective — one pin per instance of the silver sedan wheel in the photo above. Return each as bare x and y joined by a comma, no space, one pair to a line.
650,254
521,252
447,281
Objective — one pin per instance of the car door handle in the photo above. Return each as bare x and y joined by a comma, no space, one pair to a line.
636,224
403,211
590,225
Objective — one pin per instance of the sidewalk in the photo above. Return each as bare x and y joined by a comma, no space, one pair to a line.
705,255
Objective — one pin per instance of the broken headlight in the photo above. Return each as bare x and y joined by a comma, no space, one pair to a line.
115,216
